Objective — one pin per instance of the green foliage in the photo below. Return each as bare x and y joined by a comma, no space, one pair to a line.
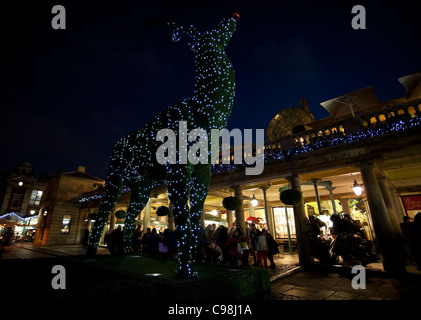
231,203
291,197
120,214
92,216
162,211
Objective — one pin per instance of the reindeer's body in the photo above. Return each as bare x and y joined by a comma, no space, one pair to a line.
133,158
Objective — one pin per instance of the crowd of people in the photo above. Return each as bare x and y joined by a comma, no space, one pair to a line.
232,245
216,244
152,242
347,240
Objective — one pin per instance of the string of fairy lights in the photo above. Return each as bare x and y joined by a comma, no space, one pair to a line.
133,162
400,124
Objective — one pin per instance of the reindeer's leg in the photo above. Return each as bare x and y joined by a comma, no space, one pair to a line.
112,191
140,193
199,186
178,192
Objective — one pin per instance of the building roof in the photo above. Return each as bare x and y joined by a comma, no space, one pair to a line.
82,175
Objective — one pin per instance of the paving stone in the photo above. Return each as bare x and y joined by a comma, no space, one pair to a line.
320,295
298,292
345,295
282,288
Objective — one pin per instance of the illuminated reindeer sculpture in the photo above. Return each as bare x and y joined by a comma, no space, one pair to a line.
133,160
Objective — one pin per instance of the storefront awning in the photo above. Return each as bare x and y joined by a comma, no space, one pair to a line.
9,223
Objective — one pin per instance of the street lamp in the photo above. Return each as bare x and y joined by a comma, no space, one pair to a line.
358,188
254,201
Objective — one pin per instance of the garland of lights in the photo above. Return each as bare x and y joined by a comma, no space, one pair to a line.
133,160
324,142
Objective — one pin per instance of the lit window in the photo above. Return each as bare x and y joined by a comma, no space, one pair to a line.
35,197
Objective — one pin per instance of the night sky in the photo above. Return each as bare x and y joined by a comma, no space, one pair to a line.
68,95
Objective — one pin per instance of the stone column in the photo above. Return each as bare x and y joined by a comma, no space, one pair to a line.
112,221
251,210
383,184
271,226
303,241
345,206
267,216
229,218
239,213
147,216
397,204
332,198
319,207
171,224
389,242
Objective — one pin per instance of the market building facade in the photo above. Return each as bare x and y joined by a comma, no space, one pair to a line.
371,145
20,199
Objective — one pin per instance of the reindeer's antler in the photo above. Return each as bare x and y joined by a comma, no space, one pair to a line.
190,31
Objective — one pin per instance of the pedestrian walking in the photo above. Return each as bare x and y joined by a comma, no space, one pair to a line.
262,249
272,248
253,243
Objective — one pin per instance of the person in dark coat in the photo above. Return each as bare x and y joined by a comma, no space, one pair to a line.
153,243
272,248
145,240
415,241
115,243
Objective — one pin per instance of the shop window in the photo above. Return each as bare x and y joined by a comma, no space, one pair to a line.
280,219
65,224
16,201
35,197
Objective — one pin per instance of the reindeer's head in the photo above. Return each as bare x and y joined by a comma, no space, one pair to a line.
216,39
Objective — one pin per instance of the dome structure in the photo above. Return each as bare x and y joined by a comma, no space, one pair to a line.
283,123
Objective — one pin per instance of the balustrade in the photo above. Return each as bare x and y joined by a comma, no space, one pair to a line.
391,119
390,116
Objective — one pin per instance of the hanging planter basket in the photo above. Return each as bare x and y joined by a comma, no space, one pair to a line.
291,197
92,216
162,211
120,214
231,203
